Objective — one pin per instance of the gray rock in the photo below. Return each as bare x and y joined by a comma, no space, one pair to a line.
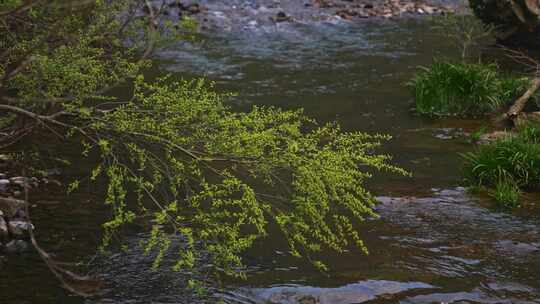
4,184
19,229
20,181
18,246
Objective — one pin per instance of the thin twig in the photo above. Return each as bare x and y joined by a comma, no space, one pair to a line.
60,273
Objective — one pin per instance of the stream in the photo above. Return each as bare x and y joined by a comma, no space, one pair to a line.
434,242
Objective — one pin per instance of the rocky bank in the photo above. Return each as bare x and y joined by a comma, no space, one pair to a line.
237,14
14,222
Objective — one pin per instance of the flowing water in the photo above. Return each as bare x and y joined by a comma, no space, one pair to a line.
433,243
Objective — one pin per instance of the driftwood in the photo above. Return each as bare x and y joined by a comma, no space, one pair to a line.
84,286
525,118
516,109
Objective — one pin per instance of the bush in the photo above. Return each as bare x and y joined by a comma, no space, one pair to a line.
506,166
463,89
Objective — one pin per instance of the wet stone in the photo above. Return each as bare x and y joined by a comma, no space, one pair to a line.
515,248
17,179
361,292
4,184
23,182
449,133
282,17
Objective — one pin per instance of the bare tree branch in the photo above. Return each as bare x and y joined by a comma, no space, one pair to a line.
22,8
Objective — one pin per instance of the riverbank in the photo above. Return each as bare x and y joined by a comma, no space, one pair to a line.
237,14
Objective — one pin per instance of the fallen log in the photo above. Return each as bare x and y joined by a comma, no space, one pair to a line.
519,105
524,119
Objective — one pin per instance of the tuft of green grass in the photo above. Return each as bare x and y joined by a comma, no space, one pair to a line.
506,166
509,158
506,194
530,133
464,89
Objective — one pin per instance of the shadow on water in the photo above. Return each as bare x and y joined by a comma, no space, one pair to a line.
429,246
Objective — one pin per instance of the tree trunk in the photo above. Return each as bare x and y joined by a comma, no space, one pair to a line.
517,21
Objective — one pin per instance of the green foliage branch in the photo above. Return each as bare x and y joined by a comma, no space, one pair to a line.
173,155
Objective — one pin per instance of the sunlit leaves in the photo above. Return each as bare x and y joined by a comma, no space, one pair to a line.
230,174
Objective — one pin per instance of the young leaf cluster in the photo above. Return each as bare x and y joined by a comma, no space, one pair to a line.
216,178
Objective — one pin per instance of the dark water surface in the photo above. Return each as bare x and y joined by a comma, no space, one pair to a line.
430,245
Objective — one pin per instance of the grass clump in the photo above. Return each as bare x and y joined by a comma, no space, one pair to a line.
464,89
506,194
506,166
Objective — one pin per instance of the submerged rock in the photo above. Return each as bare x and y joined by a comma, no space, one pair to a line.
360,292
282,17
